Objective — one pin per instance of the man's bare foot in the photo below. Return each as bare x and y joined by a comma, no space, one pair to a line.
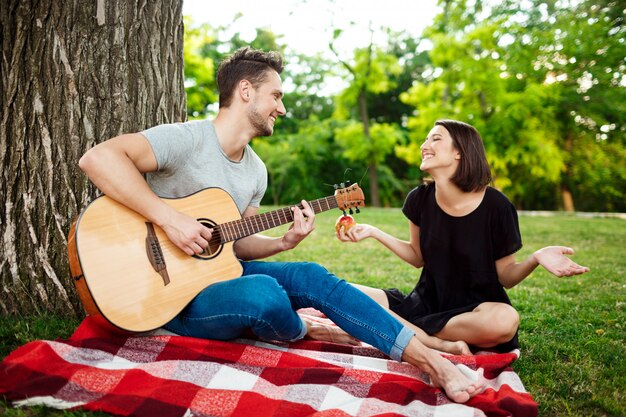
459,384
325,333
443,374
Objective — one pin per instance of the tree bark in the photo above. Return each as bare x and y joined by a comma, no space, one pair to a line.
72,74
372,167
566,193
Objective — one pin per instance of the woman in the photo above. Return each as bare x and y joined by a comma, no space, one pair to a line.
464,235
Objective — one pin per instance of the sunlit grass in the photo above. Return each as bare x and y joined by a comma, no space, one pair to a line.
573,330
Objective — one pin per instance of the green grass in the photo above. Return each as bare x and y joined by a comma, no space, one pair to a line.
573,330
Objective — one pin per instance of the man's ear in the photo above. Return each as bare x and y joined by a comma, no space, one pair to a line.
244,90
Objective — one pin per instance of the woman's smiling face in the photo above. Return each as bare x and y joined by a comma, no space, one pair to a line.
438,152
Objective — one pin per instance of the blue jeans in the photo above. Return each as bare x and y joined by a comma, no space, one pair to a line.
265,299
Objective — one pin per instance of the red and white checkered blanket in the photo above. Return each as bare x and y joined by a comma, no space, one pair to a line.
165,375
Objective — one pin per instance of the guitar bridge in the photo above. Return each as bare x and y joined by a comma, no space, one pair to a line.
155,254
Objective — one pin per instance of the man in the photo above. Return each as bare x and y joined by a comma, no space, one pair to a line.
181,159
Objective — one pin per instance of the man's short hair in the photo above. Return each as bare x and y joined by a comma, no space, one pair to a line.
245,64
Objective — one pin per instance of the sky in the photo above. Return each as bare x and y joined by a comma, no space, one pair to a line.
303,22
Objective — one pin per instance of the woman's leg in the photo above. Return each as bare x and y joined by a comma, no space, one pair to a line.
488,325
225,310
457,347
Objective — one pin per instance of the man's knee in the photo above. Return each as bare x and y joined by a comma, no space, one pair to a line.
265,298
313,274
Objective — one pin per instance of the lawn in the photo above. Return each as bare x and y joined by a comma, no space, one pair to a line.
573,330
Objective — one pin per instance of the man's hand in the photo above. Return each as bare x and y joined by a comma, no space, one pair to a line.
553,259
303,225
187,233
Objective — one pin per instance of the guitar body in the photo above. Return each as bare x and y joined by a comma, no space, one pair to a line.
110,261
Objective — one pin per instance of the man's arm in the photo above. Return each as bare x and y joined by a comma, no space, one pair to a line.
116,167
258,246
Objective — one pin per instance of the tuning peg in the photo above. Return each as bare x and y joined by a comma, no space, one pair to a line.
347,183
335,186
342,185
344,212
357,210
350,211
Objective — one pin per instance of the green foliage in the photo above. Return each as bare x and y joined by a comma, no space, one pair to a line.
304,83
545,85
304,164
536,85
358,147
200,84
202,54
580,50
371,70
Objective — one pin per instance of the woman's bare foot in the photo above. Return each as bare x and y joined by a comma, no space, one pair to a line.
455,348
443,374
325,333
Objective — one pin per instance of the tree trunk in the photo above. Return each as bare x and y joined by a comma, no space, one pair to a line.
373,167
566,193
73,74
568,200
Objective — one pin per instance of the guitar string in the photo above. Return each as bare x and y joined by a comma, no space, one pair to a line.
230,231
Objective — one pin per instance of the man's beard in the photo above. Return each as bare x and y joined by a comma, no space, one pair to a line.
259,123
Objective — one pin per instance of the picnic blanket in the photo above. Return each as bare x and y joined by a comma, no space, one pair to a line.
169,375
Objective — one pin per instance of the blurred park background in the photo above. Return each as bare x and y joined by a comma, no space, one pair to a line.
543,81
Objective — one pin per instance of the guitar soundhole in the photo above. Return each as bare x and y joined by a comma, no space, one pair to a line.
215,245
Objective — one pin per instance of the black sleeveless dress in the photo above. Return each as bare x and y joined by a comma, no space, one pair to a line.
460,256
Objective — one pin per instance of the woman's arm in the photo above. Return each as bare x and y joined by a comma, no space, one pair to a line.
552,258
409,252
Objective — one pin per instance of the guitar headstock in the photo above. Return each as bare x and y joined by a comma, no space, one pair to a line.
349,197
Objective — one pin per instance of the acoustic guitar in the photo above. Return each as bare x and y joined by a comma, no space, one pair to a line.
127,270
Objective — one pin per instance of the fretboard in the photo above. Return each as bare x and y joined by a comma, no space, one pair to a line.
247,226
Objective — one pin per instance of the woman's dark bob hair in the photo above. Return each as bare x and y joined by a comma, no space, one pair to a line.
473,172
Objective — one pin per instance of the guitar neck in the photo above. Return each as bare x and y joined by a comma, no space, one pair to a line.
247,226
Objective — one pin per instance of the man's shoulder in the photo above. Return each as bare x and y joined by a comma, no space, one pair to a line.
253,158
192,130
189,125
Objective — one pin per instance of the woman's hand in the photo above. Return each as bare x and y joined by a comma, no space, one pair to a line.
356,233
555,261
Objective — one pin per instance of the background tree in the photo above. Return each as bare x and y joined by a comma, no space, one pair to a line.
579,49
72,75
200,68
363,139
302,157
204,49
516,74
